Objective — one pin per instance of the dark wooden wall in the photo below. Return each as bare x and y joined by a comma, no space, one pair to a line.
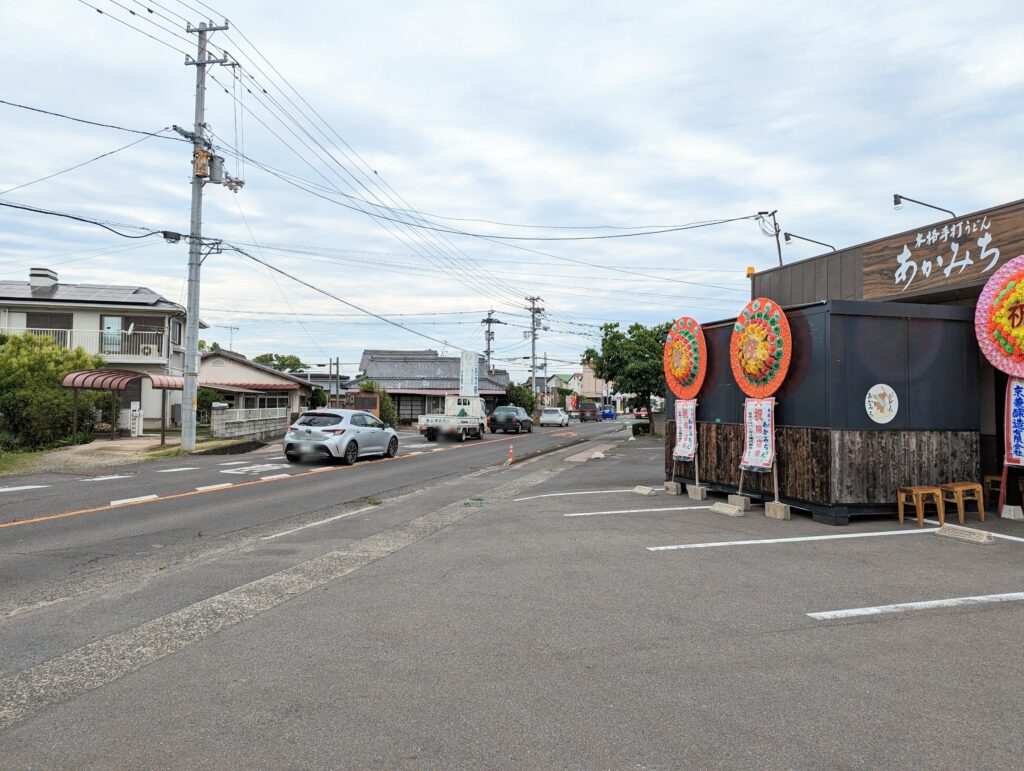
834,468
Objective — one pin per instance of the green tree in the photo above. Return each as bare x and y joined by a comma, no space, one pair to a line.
319,397
632,360
388,413
35,410
281,362
521,396
205,347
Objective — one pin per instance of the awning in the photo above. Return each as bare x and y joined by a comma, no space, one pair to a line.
119,380
257,386
229,389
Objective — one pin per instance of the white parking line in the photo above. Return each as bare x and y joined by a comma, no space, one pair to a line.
149,497
172,470
233,463
635,511
104,479
22,487
899,607
919,531
585,492
217,487
317,524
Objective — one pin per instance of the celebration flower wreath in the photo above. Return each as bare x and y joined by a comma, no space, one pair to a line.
999,318
685,358
761,348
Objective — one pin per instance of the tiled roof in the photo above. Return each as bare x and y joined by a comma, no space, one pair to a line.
85,294
423,370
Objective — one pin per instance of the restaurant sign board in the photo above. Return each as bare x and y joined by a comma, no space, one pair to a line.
952,254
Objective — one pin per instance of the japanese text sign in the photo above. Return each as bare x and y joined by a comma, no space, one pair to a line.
758,434
962,251
686,430
1015,422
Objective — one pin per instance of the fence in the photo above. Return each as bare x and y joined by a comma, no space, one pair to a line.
265,413
136,345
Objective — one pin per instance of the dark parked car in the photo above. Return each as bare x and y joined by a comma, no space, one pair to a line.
510,419
590,411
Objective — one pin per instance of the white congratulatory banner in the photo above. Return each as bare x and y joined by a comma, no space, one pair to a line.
759,435
469,375
686,429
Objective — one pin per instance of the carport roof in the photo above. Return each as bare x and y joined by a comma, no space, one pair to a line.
119,380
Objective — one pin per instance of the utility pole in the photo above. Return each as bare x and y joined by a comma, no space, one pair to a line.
201,163
775,230
535,311
489,336
545,378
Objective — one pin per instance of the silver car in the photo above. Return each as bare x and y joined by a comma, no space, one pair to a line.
553,416
345,434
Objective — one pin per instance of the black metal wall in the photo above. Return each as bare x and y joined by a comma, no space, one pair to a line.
926,353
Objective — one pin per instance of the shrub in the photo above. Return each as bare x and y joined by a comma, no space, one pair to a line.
388,413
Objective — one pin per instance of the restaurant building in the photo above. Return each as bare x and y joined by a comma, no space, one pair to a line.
893,316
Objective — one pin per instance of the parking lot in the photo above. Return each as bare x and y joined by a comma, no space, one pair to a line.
572,622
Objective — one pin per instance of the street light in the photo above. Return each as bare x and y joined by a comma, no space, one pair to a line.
897,204
790,236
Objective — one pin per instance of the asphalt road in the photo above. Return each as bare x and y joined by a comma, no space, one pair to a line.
530,617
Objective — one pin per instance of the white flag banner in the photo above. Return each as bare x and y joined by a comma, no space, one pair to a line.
686,430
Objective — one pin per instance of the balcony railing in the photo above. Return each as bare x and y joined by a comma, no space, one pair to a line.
116,346
262,413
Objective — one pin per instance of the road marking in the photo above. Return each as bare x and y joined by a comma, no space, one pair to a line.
416,452
994,535
918,531
636,511
233,463
953,602
104,479
107,660
172,470
277,457
275,476
122,501
22,487
317,523
221,486
585,492
255,469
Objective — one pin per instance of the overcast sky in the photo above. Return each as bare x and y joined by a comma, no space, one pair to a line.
527,113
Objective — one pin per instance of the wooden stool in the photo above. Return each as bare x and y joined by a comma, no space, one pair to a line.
916,495
959,492
993,486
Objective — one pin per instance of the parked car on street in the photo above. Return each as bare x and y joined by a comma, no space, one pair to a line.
346,434
463,418
553,416
510,418
641,412
590,411
608,412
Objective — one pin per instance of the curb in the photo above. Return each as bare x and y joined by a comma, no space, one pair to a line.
549,450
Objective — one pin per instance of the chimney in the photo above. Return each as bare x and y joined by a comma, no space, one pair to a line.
42,278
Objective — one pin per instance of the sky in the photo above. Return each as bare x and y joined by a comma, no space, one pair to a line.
586,118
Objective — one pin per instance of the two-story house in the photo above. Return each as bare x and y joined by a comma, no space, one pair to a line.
132,327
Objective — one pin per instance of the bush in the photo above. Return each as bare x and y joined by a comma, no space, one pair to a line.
641,428
388,413
521,396
35,410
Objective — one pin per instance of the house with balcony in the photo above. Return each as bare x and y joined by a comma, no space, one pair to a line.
132,327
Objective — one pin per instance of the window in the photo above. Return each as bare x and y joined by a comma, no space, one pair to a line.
37,320
358,420
176,332
319,419
372,422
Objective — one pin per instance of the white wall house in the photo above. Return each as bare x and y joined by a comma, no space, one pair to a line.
131,327
247,385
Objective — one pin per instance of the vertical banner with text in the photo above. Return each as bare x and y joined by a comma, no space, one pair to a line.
686,430
758,434
1014,422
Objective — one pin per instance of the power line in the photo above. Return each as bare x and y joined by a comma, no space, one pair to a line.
157,134
82,219
133,27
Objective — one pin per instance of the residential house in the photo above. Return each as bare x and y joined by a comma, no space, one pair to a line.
246,385
593,388
566,382
418,381
132,327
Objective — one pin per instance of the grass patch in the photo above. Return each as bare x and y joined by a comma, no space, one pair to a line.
19,462
153,453
374,501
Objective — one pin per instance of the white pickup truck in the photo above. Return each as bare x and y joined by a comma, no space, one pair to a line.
464,417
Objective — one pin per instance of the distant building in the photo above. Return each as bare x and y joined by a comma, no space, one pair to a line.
418,381
246,385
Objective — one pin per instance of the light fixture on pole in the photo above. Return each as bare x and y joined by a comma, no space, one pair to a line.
790,236
897,204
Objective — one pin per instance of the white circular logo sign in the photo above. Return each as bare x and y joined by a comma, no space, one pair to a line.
881,403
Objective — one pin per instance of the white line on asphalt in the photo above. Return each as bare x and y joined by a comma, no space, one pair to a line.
953,602
104,479
417,452
793,540
585,492
22,487
217,487
994,535
172,470
276,476
277,457
149,497
635,511
316,524
233,463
